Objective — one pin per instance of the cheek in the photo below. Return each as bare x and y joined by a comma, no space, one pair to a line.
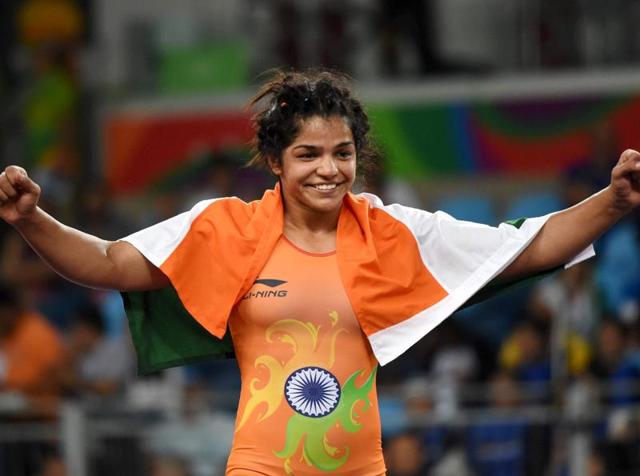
349,170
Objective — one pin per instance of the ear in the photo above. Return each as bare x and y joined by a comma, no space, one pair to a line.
275,165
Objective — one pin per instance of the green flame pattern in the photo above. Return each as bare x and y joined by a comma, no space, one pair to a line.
316,451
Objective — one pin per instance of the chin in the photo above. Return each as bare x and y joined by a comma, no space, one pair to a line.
327,205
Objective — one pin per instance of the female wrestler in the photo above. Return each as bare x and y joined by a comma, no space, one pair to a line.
317,286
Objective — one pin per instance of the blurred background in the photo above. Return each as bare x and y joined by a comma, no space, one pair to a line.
129,112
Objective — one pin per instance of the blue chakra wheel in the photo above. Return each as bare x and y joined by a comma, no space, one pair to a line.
312,391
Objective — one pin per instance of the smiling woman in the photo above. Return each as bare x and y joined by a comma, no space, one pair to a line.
290,97
310,129
316,171
316,285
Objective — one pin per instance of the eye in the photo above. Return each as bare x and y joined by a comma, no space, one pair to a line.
306,155
345,154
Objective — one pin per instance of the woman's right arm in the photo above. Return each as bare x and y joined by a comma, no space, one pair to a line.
77,256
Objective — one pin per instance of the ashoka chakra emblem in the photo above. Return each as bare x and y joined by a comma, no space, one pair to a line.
312,391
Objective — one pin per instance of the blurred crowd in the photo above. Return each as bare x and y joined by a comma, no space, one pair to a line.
468,402
563,359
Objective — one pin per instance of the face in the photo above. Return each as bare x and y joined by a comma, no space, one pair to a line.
319,167
611,342
404,454
504,392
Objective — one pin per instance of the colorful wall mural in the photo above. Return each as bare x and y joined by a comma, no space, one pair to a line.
519,137
540,137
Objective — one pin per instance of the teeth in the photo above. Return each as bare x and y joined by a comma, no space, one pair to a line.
326,186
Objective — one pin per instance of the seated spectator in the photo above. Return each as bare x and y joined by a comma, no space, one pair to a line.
417,394
568,305
615,366
31,352
96,364
497,445
570,299
404,455
453,364
455,358
525,354
199,436
619,373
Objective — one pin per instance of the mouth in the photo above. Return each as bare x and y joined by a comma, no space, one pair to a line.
324,187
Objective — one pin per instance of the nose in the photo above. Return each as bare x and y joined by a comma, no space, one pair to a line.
327,166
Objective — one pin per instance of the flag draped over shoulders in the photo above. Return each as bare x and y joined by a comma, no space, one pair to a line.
404,271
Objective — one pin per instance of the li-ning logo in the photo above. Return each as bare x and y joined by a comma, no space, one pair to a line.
267,293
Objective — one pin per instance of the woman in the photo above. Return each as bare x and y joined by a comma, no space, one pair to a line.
316,285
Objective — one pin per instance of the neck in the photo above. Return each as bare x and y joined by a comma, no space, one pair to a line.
311,231
312,222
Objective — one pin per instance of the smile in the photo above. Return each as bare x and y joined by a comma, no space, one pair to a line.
325,186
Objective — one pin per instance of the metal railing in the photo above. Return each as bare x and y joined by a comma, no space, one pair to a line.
95,439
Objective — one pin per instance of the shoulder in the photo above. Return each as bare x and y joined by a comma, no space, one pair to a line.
396,212
223,210
223,205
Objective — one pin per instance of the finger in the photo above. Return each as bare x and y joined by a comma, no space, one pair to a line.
629,164
629,155
18,178
14,173
6,186
3,197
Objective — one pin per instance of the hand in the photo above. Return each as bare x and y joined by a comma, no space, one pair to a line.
625,182
19,195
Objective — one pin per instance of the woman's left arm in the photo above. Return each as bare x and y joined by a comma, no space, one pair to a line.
570,231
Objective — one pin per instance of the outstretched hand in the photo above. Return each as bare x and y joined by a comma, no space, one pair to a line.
19,195
625,181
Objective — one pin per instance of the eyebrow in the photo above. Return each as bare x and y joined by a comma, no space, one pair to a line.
310,146
344,144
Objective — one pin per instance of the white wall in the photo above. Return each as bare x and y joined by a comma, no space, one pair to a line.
486,32
174,21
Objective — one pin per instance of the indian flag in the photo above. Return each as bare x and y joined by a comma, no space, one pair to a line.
404,270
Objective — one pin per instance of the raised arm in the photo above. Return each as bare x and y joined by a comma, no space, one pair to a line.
77,256
570,231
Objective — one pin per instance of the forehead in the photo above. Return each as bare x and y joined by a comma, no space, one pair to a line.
318,130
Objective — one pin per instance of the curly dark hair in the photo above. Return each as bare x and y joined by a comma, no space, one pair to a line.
290,97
